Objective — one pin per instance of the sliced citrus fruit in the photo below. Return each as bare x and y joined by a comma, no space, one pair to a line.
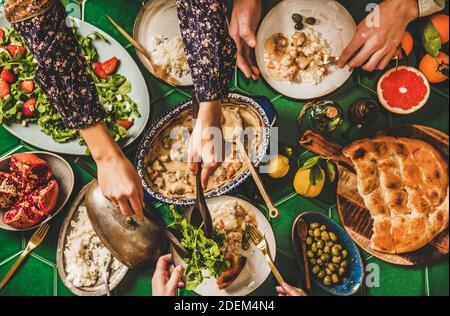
403,90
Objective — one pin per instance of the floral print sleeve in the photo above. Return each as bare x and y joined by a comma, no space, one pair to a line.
62,72
210,51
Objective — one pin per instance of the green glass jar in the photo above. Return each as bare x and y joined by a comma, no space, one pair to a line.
323,116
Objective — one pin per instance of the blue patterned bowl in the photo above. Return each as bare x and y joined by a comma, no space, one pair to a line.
267,115
355,269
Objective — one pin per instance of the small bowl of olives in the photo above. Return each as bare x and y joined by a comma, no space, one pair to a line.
334,260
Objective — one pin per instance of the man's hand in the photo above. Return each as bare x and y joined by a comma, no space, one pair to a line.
166,278
376,43
206,142
244,21
287,290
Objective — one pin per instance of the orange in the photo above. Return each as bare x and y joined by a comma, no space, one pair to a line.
440,22
407,45
433,68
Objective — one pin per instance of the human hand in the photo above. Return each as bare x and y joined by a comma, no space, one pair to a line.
166,278
206,142
244,21
120,183
287,290
378,44
117,177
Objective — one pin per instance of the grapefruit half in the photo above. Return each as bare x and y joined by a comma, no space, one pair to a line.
403,90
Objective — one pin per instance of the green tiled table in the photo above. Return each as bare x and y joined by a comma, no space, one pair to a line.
39,276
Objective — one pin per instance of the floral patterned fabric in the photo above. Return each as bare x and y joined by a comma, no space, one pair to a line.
62,72
210,51
17,10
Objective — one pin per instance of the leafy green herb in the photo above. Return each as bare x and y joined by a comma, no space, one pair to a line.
113,92
207,260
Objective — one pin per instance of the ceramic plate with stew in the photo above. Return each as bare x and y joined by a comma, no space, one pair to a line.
291,63
162,155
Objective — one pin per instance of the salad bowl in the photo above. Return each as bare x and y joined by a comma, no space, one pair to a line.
267,115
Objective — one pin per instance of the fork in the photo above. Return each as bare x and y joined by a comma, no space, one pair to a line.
329,59
157,69
261,243
34,242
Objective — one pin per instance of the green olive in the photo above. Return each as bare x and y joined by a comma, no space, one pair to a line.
321,274
314,225
344,253
320,252
309,240
335,250
327,280
328,271
330,244
333,236
316,269
326,249
344,264
325,257
317,232
320,244
310,254
319,262
332,267
313,261
323,228
336,259
325,236
335,279
341,271
311,233
314,247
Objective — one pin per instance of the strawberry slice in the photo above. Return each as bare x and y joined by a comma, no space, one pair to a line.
14,49
99,71
2,34
110,66
7,76
4,89
125,123
27,86
29,107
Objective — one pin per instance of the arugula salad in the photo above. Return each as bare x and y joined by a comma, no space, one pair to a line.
207,260
23,102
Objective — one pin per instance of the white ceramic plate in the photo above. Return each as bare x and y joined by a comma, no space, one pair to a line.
63,174
128,68
256,269
337,27
158,17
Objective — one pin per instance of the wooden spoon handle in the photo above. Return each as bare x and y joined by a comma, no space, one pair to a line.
326,148
273,211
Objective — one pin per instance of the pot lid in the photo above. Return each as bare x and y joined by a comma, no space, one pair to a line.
135,243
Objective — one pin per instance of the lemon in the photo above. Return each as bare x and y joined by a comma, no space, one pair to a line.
303,185
278,167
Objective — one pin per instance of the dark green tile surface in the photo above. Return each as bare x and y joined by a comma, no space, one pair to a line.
38,275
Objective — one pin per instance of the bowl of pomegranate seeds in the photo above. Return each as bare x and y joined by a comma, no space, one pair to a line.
34,187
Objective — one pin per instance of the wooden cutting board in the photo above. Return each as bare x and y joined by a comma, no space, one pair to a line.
354,216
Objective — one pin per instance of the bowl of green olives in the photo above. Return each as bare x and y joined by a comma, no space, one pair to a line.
334,260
